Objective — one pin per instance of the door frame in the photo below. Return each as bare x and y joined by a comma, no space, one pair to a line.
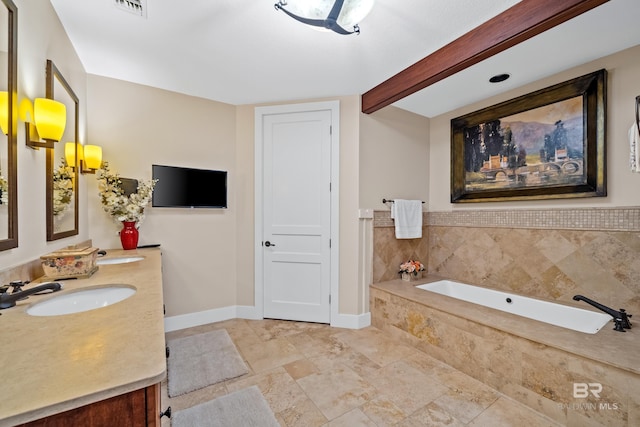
260,113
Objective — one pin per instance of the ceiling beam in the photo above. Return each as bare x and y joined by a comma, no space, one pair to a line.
520,22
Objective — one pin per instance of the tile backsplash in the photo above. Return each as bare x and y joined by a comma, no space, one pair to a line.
549,254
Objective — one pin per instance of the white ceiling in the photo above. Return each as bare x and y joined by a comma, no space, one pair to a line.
246,52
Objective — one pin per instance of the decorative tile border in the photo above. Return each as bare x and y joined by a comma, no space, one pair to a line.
609,219
383,219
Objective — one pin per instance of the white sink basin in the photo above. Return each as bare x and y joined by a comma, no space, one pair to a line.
81,300
120,260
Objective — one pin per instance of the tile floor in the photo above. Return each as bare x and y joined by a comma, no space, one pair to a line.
316,375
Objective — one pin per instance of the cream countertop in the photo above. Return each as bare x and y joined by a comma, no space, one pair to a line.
56,363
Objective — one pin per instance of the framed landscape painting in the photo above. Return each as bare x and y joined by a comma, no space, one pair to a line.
548,144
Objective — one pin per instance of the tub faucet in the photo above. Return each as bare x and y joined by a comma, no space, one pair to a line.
8,300
621,318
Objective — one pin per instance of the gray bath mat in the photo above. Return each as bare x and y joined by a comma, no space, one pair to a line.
201,360
244,408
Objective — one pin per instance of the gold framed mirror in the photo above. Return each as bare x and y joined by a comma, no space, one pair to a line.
8,122
62,163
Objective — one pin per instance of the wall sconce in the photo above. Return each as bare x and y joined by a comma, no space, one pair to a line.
92,159
44,119
4,112
89,156
70,150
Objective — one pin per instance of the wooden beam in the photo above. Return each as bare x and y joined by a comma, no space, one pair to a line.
521,22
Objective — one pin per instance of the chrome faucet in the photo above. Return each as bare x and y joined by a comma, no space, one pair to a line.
8,300
621,318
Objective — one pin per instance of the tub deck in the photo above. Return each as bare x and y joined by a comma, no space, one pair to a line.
533,362
618,349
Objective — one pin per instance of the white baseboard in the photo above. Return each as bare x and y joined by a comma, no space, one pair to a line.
351,321
183,321
189,320
248,312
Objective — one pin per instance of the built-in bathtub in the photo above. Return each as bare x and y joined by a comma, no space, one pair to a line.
534,362
565,316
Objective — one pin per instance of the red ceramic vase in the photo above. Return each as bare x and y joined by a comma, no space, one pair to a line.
129,235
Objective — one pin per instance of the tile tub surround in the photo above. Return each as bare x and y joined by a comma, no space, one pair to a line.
546,264
53,364
532,362
543,253
389,252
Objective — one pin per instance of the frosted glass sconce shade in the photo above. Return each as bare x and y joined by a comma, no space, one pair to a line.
50,117
92,157
44,119
70,153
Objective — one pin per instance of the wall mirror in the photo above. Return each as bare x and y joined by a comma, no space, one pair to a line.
8,123
62,163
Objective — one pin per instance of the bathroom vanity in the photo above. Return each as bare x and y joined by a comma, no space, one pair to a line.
98,367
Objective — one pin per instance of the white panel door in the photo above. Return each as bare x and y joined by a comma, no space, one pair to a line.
297,216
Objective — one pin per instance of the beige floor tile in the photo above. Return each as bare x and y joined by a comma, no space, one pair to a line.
466,403
353,418
375,345
277,387
434,416
504,413
407,387
300,368
265,355
307,344
268,329
360,364
337,391
383,412
304,414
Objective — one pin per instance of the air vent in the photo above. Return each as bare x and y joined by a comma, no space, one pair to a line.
137,7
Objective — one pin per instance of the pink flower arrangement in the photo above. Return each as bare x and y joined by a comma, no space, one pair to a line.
411,266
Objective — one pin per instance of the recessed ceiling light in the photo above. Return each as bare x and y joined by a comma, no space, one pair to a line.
499,78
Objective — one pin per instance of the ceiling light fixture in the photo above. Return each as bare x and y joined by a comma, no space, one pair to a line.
334,15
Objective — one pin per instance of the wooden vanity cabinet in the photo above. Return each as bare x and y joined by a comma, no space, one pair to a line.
139,408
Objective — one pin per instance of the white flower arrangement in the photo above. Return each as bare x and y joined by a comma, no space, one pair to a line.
4,190
62,188
118,205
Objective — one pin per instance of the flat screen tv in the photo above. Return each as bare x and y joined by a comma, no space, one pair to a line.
179,187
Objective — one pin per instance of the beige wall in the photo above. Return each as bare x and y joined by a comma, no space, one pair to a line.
41,37
622,185
394,157
138,126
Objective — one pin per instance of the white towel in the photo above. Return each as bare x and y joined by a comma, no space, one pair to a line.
634,148
407,215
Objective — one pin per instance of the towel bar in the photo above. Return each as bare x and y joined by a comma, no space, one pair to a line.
391,201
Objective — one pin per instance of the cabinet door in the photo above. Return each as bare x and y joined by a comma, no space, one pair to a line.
153,405
138,408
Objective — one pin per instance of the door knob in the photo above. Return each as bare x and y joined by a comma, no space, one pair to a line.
268,243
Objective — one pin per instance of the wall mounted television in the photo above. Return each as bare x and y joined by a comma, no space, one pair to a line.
180,187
